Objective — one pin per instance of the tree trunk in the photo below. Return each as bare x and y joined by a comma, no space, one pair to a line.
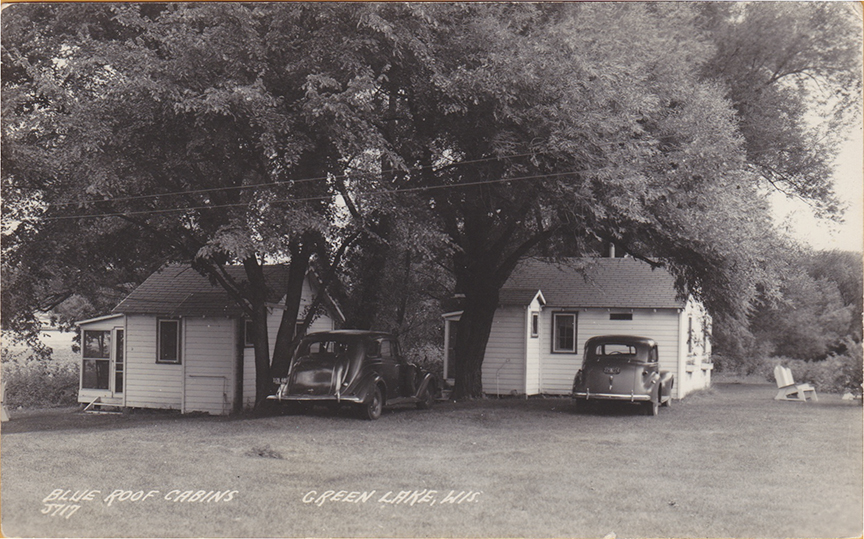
285,338
475,325
260,339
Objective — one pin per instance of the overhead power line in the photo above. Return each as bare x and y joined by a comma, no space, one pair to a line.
286,182
315,198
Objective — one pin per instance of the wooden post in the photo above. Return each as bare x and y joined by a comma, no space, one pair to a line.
237,405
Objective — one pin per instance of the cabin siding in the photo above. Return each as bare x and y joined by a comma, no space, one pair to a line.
559,369
211,348
504,362
532,349
694,349
150,384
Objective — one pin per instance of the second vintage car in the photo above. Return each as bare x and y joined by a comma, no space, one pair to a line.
363,368
623,368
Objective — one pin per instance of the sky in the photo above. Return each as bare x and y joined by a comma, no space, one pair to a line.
797,219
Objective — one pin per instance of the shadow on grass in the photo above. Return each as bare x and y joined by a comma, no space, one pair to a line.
482,412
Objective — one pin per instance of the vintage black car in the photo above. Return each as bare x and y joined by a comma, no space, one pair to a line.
623,368
363,368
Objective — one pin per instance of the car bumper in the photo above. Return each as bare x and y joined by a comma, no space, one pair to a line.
315,398
584,395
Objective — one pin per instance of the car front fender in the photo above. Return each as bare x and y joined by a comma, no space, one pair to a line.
427,382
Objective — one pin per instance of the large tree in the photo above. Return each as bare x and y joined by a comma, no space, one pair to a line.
519,125
139,134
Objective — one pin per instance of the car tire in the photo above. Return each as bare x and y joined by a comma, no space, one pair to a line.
427,399
580,405
652,407
372,408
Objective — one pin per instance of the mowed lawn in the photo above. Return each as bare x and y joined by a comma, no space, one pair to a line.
730,462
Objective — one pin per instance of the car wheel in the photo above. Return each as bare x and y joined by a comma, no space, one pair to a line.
427,399
580,405
372,408
652,407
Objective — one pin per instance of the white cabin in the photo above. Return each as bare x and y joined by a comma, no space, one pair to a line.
177,342
547,310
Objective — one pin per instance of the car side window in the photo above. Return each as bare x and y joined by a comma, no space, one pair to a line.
386,349
372,349
652,355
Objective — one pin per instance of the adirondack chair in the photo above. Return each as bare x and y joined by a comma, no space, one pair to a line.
788,390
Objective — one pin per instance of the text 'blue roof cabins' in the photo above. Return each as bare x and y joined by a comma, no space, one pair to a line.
547,310
178,342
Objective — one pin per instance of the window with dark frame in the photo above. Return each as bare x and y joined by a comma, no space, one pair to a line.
564,333
535,325
168,341
248,333
620,316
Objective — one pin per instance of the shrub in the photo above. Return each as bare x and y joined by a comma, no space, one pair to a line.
744,365
40,383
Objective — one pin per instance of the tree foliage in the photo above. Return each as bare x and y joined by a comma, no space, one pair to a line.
817,313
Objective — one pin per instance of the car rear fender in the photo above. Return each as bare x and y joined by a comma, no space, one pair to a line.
667,380
367,384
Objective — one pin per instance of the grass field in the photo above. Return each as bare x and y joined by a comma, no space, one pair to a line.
730,462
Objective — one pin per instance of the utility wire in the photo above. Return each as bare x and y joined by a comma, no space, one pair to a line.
315,198
288,182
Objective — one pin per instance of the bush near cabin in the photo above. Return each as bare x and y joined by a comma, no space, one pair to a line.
32,383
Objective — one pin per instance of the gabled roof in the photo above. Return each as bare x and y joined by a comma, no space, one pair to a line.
179,290
520,296
624,283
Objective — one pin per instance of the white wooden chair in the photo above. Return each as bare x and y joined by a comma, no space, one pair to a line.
788,390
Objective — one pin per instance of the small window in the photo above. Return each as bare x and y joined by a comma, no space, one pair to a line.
168,345
386,350
248,333
535,325
620,316
299,330
564,332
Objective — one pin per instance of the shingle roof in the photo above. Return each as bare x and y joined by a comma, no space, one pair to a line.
624,283
179,290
